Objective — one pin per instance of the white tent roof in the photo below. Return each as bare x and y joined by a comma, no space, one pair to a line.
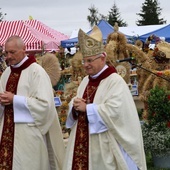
139,30
130,30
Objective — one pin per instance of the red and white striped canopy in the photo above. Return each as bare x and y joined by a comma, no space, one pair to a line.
36,35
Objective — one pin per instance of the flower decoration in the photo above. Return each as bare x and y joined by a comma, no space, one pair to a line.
164,73
156,141
62,113
167,72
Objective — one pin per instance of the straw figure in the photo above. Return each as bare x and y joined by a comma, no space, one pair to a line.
159,59
77,74
115,49
70,89
51,65
156,61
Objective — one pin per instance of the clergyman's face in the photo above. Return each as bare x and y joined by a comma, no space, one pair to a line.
13,53
93,64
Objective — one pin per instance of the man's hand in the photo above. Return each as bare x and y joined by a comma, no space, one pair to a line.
6,98
79,104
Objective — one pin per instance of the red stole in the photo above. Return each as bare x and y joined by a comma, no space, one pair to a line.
7,138
81,146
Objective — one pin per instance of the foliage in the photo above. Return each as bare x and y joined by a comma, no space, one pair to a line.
156,131
158,142
150,13
159,108
140,113
93,17
111,18
2,16
114,16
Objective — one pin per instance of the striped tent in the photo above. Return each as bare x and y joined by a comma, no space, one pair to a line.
36,35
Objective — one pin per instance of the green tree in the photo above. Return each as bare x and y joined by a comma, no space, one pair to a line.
150,13
103,17
93,18
2,15
114,16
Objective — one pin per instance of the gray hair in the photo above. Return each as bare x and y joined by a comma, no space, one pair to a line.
18,39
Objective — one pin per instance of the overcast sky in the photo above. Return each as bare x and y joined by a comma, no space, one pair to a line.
68,15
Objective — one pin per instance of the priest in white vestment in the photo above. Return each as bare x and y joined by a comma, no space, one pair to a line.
30,132
105,127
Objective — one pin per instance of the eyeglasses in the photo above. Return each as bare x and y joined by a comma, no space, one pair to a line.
89,61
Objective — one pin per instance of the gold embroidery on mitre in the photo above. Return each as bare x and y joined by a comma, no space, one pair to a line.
91,44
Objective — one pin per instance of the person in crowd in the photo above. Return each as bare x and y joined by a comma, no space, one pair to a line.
3,64
105,128
53,51
30,132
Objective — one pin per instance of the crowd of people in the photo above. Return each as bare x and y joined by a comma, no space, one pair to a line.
105,128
